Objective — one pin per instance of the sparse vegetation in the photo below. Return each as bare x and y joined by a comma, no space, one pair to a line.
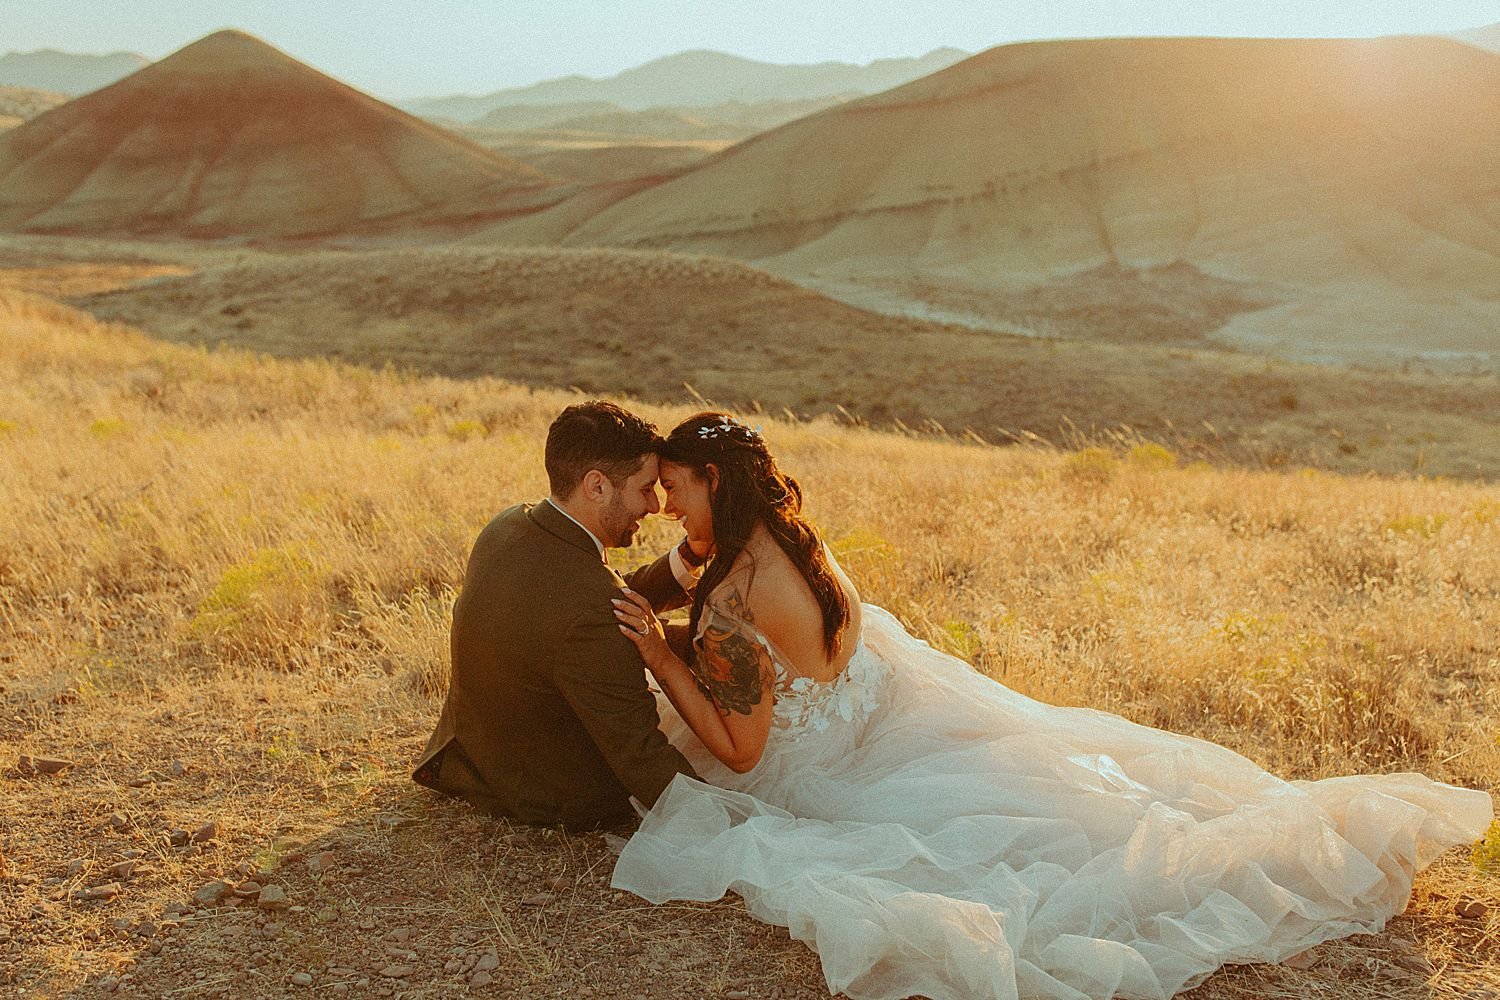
249,577
642,323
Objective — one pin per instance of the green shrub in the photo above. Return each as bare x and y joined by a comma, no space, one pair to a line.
1486,853
107,427
1091,465
463,430
1152,456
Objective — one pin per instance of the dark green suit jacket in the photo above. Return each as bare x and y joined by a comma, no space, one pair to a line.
548,717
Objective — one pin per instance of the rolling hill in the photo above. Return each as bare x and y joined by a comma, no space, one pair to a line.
729,120
230,137
25,102
648,322
1346,185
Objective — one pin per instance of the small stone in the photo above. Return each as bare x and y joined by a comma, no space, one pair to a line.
452,966
559,882
737,995
320,862
367,923
340,987
488,961
122,869
99,892
44,765
4,934
273,897
118,820
1471,909
1415,963
397,971
178,769
147,929
301,979
480,979
174,909
210,894
132,854
76,866
400,935
540,899
247,889
140,781
178,838
1301,960
107,983
205,833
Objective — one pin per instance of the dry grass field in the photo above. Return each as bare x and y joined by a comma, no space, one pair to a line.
225,582
646,323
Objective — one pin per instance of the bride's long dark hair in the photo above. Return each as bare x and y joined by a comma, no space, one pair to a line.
753,490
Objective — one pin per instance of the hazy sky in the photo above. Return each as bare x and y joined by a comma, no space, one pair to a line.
409,48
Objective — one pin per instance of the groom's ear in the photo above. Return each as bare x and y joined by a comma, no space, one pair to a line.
593,485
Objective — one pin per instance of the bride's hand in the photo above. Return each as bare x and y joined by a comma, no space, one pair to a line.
642,627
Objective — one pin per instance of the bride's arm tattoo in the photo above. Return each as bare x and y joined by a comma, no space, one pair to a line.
734,670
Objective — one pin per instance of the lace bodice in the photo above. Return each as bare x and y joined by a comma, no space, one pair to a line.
803,703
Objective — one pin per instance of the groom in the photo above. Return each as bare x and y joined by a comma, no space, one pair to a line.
548,717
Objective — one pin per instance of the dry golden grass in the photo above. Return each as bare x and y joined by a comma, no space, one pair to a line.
244,567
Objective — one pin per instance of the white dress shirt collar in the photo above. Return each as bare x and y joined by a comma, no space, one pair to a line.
597,544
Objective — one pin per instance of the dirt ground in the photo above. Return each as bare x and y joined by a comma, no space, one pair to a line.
152,868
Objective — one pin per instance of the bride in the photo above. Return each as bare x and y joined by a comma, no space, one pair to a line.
928,831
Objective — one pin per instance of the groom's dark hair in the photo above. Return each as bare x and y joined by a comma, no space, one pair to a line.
596,435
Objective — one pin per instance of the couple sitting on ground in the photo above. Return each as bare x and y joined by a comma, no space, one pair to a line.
924,828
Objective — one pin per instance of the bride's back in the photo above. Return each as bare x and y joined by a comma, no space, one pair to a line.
774,598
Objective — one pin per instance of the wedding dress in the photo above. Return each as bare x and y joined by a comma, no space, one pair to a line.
928,831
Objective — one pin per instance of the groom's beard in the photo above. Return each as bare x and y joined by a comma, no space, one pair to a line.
619,525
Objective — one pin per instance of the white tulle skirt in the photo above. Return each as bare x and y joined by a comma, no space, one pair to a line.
958,840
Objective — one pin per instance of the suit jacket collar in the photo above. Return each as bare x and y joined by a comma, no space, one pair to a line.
553,521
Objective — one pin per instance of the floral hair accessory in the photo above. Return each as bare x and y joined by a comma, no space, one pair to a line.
729,426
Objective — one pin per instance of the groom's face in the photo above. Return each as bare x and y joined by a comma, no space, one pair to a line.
629,502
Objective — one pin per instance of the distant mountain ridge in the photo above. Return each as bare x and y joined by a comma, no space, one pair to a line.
67,72
1487,37
697,78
